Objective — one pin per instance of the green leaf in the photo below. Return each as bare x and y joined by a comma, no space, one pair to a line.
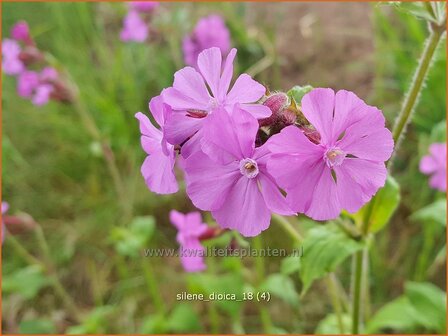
324,248
184,319
423,305
297,93
398,315
385,202
27,282
281,286
435,212
430,303
330,325
290,264
37,326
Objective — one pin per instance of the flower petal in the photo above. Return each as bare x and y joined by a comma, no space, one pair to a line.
318,108
376,145
274,199
159,110
192,146
244,210
157,169
209,64
188,92
245,90
208,183
325,203
357,181
229,135
259,111
179,127
227,74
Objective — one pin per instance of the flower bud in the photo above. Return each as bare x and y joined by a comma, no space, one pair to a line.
276,102
311,134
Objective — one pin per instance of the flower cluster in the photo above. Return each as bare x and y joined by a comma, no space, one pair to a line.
247,153
210,31
135,26
434,164
36,80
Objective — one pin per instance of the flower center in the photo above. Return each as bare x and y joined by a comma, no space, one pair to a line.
334,156
249,168
213,103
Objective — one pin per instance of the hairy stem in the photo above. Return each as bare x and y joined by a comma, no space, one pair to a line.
411,98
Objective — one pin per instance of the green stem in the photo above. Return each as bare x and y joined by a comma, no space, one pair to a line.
287,226
153,287
416,87
356,303
335,299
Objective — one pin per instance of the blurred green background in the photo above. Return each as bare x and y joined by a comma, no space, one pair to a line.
53,171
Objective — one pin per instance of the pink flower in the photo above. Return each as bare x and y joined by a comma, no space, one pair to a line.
229,176
21,32
134,28
42,94
36,86
191,101
48,74
143,6
27,83
157,169
210,31
5,207
342,171
11,63
190,227
434,164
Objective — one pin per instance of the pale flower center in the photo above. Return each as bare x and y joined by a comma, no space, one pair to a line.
249,168
213,103
334,156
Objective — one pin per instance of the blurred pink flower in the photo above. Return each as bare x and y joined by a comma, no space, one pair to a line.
157,169
134,28
11,63
191,101
143,6
434,165
210,31
27,83
229,176
36,86
42,95
21,32
190,227
48,74
345,169
5,207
